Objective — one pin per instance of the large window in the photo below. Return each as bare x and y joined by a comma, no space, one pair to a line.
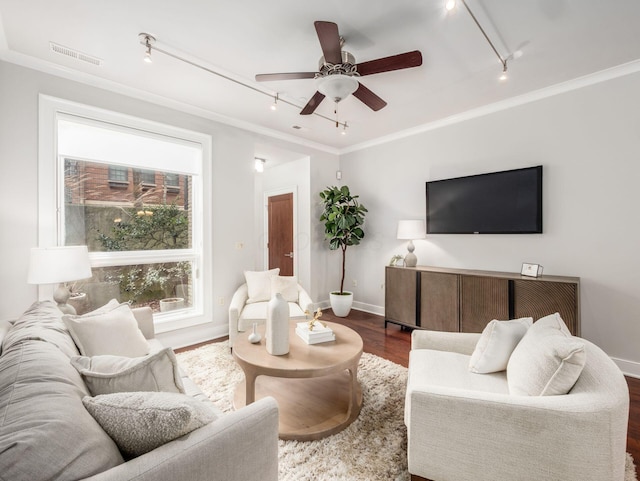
134,196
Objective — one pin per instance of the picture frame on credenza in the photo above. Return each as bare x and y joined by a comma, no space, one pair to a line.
531,270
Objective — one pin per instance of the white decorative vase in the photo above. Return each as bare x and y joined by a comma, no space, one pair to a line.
341,303
277,332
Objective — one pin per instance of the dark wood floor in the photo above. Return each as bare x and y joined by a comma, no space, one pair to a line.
394,344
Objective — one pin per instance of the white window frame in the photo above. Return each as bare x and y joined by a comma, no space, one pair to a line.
51,204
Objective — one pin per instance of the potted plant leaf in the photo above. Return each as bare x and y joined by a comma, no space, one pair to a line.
343,217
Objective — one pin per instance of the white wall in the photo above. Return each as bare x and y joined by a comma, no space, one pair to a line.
588,141
233,211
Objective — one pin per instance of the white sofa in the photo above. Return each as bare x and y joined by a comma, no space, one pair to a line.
243,315
467,426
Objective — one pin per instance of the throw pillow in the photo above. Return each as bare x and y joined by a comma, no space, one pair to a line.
497,342
287,286
110,374
139,422
112,332
259,284
555,321
546,362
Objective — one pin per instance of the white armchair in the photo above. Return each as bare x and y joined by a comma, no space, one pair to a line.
466,426
243,315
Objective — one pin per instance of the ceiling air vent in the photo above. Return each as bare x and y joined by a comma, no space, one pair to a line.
69,52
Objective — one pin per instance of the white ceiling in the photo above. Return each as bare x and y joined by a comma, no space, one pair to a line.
559,40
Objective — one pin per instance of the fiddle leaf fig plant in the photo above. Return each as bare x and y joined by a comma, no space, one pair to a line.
343,217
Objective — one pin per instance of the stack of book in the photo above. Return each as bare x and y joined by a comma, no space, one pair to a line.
320,333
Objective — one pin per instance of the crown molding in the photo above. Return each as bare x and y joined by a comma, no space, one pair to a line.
557,89
50,68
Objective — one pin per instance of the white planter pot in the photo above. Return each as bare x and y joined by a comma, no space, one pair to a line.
171,304
341,303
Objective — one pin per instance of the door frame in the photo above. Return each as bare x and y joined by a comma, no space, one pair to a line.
265,210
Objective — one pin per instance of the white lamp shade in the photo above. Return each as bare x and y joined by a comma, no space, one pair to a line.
411,229
337,87
50,265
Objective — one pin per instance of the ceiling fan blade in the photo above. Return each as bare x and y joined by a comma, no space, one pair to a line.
312,104
329,41
388,64
368,98
265,77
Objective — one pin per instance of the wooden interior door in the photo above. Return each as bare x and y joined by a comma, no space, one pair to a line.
280,242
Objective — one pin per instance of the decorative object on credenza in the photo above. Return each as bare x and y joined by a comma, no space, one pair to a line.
343,217
255,336
58,265
277,332
397,261
531,270
411,230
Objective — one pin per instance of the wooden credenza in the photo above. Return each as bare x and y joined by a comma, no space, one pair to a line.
463,300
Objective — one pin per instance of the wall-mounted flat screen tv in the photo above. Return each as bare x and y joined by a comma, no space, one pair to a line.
507,202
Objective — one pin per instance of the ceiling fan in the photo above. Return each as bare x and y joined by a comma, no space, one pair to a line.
338,71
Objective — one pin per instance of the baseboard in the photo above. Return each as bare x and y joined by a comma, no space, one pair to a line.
629,368
370,308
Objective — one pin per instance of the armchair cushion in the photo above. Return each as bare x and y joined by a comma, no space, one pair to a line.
259,284
546,362
497,342
287,286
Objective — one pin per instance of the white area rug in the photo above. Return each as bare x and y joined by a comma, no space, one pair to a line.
372,448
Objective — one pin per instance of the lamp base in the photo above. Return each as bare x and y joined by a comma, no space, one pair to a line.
410,260
61,296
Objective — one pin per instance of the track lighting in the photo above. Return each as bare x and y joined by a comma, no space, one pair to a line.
504,75
149,43
344,129
147,40
450,5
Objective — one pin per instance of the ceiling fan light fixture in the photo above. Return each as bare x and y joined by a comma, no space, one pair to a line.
337,87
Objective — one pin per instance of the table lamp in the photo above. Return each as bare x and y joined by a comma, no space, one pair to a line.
51,265
410,230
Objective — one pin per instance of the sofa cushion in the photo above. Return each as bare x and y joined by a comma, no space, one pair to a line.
287,286
259,284
497,342
41,322
110,374
546,362
141,421
45,432
113,332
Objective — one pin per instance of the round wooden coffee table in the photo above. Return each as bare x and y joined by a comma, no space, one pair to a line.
316,385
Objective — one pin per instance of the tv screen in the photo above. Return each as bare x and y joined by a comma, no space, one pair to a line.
508,202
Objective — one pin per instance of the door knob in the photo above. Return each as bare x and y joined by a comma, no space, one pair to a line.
290,254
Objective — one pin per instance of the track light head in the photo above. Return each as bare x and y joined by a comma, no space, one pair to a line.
504,76
147,40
